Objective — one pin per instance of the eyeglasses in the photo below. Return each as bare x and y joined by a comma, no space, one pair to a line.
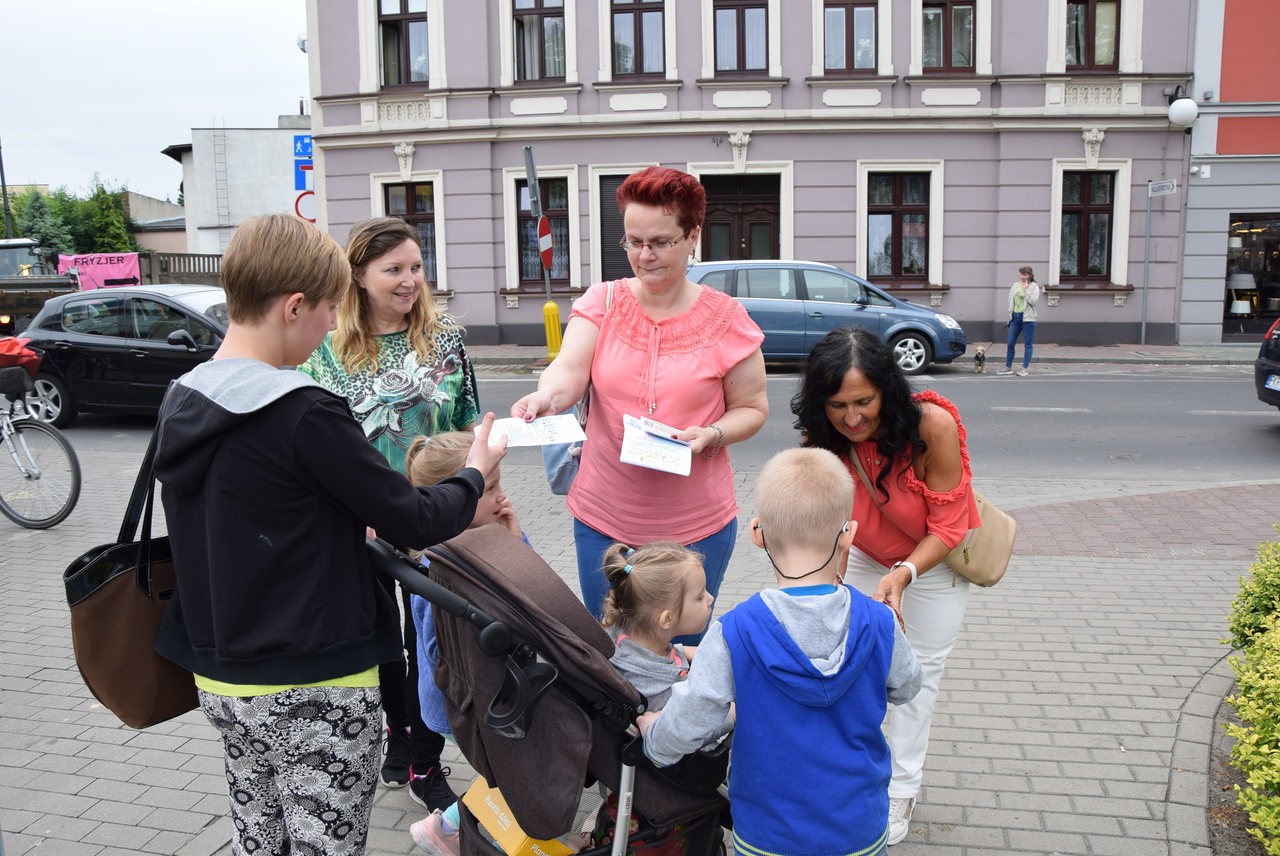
656,246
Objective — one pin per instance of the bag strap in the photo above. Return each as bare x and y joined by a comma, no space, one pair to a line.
866,482
139,506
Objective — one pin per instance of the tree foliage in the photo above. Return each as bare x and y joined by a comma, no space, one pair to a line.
95,223
37,220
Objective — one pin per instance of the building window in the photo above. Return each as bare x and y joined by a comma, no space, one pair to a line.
554,193
742,36
898,227
849,36
637,37
947,35
1088,200
1092,33
402,26
416,205
539,39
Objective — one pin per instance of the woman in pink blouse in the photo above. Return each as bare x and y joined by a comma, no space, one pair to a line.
855,401
669,349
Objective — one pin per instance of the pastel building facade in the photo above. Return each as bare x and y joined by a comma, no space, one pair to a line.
932,147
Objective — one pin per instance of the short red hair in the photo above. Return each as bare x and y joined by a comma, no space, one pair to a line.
676,192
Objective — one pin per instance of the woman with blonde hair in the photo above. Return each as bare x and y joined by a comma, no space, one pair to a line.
401,365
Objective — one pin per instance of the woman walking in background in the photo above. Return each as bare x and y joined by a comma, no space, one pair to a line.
1023,297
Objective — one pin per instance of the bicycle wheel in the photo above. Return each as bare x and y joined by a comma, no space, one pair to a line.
40,480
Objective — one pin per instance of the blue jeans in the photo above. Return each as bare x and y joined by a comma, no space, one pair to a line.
591,544
1028,331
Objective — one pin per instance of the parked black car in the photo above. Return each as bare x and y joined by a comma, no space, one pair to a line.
796,303
1266,370
114,350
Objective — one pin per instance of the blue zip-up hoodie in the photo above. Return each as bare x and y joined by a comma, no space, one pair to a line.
811,670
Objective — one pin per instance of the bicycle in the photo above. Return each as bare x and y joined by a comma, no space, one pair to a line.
42,486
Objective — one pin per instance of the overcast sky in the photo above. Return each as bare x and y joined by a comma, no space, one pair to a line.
88,86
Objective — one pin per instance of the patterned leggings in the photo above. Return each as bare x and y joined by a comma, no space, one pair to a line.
302,768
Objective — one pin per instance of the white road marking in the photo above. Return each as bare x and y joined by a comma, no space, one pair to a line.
1231,413
1043,409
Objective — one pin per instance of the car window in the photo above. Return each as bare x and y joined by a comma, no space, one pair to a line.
776,283
876,298
94,316
717,279
832,287
151,319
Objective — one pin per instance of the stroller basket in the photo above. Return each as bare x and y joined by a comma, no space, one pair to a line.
534,703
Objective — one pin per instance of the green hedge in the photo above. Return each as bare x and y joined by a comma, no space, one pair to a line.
1255,629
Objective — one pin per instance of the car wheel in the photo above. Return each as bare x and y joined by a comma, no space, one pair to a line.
51,401
912,352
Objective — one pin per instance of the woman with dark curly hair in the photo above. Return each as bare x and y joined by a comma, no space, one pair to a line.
855,401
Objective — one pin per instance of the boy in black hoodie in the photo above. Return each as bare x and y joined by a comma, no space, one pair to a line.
268,485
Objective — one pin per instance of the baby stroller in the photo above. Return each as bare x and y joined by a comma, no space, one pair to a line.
541,714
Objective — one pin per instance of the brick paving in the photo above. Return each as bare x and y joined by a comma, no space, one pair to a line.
1075,716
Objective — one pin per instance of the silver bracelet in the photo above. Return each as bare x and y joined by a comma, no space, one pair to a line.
719,441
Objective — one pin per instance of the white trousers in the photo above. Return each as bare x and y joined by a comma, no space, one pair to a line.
933,610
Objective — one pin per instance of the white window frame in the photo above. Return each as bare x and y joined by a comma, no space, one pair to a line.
981,38
936,209
884,40
371,67
507,45
1129,58
604,35
596,205
1121,214
511,220
785,170
774,26
377,196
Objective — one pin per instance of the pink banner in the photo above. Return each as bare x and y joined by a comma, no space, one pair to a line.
103,270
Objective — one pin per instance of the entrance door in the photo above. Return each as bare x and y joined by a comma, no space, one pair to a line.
743,217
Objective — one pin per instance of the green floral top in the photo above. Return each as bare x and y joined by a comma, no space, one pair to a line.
405,396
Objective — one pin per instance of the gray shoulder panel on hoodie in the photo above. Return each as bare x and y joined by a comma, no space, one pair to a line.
241,385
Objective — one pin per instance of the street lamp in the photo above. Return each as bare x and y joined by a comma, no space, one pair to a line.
1183,110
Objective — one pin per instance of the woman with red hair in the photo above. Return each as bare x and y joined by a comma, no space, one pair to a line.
656,345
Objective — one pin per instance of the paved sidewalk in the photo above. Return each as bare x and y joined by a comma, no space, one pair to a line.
1075,716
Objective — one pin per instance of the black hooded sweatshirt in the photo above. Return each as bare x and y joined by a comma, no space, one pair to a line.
268,483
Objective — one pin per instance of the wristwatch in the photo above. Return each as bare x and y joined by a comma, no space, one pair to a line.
910,566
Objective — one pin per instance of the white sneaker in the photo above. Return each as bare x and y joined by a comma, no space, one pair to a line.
1021,372
900,811
1005,371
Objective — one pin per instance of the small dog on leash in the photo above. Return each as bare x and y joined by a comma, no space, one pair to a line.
980,360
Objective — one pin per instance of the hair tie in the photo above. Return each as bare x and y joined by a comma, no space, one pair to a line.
627,570
627,553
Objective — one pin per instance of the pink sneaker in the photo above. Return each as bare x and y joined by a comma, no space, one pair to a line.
429,834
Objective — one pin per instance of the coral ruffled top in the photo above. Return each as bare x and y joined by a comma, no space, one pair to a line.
913,510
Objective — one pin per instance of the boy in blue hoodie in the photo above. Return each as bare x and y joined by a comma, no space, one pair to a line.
811,666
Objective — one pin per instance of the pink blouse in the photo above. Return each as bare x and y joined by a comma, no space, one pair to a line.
914,509
672,371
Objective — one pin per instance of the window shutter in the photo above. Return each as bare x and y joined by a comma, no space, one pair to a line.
613,259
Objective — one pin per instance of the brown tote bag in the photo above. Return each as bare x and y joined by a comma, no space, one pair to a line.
118,593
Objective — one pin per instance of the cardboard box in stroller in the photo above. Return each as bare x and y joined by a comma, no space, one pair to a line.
495,816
